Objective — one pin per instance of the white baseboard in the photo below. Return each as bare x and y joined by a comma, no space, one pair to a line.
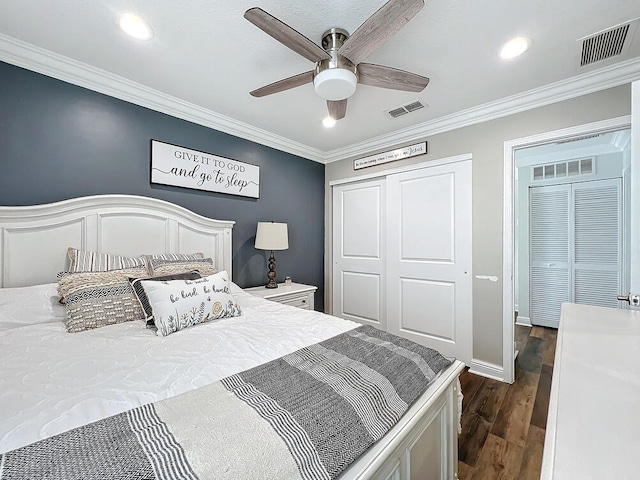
486,369
524,321
546,324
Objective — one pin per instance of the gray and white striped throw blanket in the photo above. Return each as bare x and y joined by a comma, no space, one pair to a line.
307,415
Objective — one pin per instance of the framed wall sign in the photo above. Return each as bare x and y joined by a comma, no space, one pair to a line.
391,156
182,167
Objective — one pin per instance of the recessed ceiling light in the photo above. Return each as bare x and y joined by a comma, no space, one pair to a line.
516,47
135,27
328,122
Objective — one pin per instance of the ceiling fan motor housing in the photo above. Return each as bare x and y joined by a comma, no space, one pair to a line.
336,78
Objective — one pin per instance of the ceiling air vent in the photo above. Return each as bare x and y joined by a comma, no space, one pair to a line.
404,109
398,112
607,44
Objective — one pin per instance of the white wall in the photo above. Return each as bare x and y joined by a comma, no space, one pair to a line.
485,142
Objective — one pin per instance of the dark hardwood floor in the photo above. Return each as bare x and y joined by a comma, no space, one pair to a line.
503,426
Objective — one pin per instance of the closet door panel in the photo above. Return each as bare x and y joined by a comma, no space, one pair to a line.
359,252
429,257
428,301
550,288
598,242
427,234
359,305
549,252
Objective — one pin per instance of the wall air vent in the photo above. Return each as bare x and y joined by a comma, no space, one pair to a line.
404,109
613,42
583,166
578,139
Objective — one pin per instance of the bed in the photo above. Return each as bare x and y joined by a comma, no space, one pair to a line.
54,383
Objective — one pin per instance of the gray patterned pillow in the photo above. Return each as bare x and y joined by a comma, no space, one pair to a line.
97,299
176,256
87,261
160,267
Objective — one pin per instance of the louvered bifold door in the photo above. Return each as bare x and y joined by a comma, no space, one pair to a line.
598,242
549,244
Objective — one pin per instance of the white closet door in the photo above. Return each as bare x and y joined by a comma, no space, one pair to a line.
575,246
429,282
598,242
359,252
550,257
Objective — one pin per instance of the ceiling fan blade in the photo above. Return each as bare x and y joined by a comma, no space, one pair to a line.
387,77
286,35
337,109
379,28
284,84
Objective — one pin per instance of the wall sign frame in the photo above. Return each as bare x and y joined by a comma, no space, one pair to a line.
391,156
183,167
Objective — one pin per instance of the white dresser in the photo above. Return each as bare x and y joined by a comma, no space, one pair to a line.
593,426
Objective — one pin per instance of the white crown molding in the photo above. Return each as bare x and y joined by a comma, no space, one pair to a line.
51,64
594,81
48,63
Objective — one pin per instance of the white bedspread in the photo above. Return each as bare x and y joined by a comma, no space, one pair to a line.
52,381
29,306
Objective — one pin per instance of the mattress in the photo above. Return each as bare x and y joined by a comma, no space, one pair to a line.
52,381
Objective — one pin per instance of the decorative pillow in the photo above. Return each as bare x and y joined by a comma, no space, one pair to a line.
172,257
97,299
176,256
86,261
178,304
142,296
161,267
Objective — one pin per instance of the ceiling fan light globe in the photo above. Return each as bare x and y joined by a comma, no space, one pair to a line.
335,84
328,122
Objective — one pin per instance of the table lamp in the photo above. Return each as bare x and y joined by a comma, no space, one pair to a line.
272,236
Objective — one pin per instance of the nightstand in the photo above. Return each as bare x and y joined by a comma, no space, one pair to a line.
296,294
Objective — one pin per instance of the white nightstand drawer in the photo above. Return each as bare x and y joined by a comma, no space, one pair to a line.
300,301
296,294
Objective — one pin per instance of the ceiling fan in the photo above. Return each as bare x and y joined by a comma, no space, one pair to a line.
339,67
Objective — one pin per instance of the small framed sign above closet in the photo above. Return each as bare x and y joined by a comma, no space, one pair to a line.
391,156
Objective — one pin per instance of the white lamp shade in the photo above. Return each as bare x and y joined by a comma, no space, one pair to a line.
272,236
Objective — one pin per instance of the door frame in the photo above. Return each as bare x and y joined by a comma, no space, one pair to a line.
508,249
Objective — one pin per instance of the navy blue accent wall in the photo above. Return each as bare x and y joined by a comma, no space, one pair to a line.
59,141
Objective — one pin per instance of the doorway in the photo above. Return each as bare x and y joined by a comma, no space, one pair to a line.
570,243
508,261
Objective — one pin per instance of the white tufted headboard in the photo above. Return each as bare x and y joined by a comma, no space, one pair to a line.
34,239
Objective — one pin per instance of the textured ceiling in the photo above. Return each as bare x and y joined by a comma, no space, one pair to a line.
206,54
